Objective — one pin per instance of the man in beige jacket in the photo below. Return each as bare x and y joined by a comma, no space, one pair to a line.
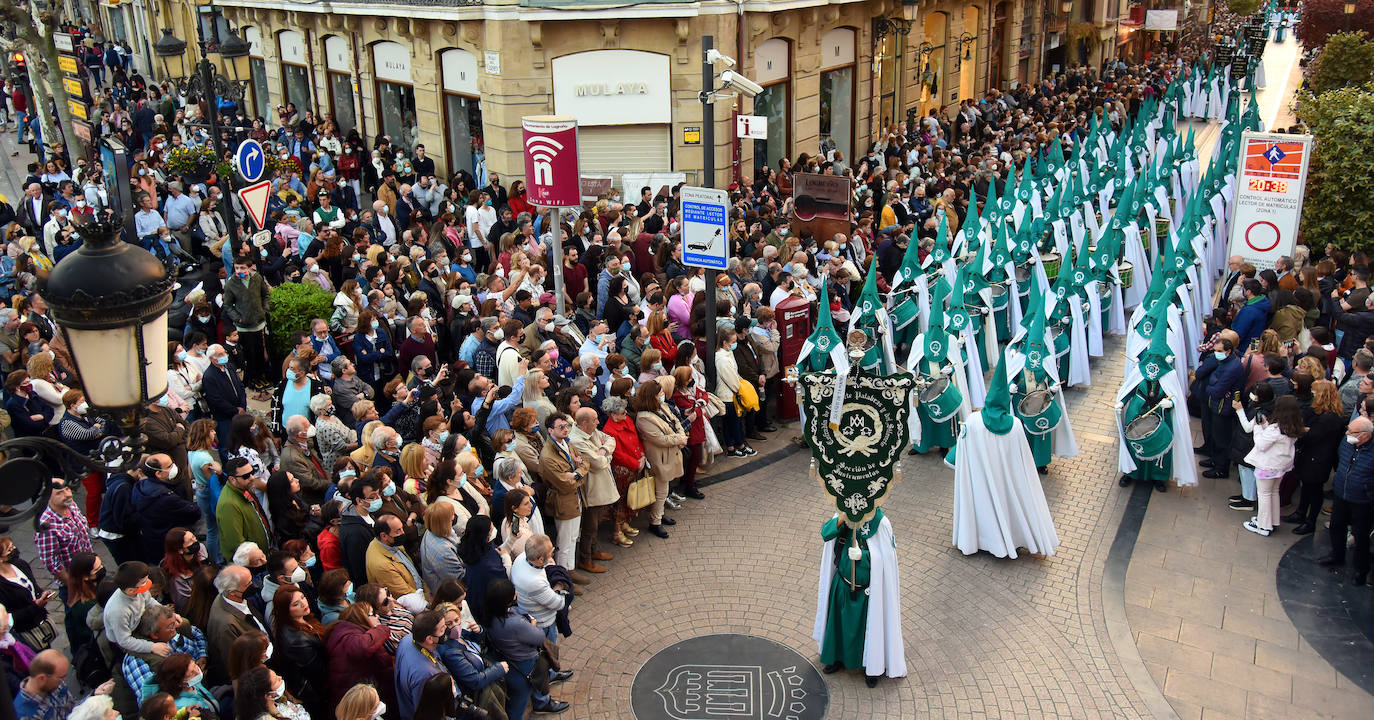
600,492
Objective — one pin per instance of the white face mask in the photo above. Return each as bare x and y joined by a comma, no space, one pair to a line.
491,535
298,576
380,711
1352,439
278,691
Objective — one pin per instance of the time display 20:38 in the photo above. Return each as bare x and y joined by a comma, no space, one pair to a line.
1273,186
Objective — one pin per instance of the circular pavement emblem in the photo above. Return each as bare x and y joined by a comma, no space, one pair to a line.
728,677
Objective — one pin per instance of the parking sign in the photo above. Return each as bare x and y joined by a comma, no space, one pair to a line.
705,231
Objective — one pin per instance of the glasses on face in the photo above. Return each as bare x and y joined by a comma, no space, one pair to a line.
244,476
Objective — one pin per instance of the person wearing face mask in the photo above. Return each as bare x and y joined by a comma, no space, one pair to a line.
20,593
183,555
261,694
299,457
223,392
388,564
158,507
1221,373
245,306
181,678
1353,505
356,526
292,396
160,625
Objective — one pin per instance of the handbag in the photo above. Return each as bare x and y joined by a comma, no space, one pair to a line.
39,637
641,493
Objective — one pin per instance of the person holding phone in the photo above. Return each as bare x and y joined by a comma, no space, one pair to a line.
26,601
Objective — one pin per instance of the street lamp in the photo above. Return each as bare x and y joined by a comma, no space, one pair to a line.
1349,13
110,301
964,43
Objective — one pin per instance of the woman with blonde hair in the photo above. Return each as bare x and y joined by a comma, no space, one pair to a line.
362,457
45,386
416,468
650,366
1316,453
439,546
361,702
534,398
471,467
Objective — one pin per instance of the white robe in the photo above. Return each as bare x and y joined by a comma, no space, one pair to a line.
998,502
884,652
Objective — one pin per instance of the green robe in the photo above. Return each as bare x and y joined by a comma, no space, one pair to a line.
847,618
1158,470
934,434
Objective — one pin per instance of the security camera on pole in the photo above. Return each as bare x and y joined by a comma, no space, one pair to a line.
731,82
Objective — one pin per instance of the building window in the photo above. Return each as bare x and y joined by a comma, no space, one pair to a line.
772,68
837,110
396,111
296,86
341,101
463,126
260,92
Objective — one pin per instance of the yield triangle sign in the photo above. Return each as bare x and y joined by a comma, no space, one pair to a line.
254,199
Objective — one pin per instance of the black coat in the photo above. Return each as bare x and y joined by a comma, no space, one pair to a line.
1315,453
354,536
24,613
159,508
223,392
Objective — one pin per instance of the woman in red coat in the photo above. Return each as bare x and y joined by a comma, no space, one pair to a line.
517,202
356,648
627,463
661,337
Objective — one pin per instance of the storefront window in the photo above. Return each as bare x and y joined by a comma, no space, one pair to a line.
837,110
341,98
463,123
260,98
396,109
772,104
296,83
117,30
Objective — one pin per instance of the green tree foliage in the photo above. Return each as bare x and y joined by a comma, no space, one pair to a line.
1347,59
1242,7
1339,206
293,306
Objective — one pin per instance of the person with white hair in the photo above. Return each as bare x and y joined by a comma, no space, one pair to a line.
230,617
333,437
299,457
10,352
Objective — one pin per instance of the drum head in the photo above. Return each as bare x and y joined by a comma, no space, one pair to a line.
1035,403
934,390
1142,426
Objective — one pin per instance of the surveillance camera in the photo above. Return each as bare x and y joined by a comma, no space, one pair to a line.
714,56
744,85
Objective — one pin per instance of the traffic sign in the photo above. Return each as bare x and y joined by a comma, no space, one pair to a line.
254,199
250,160
1272,179
705,238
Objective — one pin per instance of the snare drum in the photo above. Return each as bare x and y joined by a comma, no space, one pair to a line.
1051,261
1126,270
941,399
1023,280
1148,437
1039,412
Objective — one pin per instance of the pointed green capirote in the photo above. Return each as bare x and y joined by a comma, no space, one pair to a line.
996,411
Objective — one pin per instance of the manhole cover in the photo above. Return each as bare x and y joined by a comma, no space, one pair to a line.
729,677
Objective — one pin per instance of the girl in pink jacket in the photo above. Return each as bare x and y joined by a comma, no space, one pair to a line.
1272,457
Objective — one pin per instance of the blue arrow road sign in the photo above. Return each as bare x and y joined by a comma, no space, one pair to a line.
250,160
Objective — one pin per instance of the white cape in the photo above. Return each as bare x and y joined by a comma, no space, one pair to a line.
884,652
998,502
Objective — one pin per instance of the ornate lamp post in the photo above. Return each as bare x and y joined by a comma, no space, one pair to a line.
110,300
210,84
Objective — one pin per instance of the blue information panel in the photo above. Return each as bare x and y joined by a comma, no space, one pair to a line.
705,231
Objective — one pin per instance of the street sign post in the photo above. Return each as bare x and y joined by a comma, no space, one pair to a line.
705,228
551,167
249,160
254,199
1269,193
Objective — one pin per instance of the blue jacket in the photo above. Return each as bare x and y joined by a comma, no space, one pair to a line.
1223,378
413,668
1355,473
1251,321
20,410
463,658
370,352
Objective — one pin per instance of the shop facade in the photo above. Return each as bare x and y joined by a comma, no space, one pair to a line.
459,78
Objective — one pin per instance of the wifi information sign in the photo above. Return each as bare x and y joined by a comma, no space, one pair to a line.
552,177
705,231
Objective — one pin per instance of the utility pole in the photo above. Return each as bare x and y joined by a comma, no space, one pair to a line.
708,172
